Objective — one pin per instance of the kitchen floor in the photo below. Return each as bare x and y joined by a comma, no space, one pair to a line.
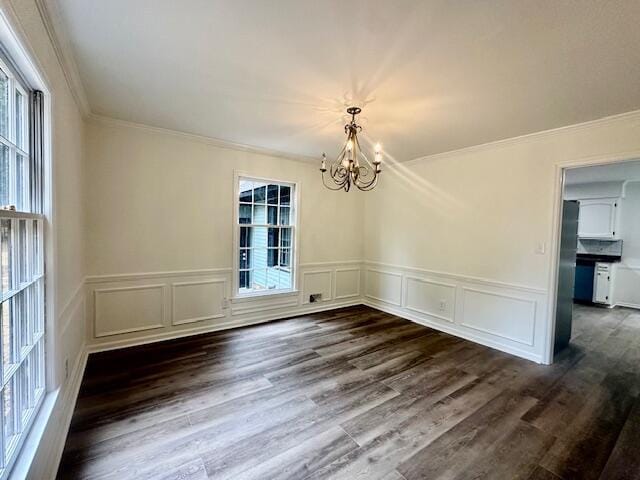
358,393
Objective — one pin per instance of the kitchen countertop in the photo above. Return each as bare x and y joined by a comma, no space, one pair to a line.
591,257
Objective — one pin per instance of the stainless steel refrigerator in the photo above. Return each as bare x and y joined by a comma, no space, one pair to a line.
566,274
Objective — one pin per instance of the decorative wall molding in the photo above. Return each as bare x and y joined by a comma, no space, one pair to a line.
102,292
180,320
506,317
376,295
458,277
76,300
452,330
339,263
407,304
265,304
208,328
627,285
125,277
357,292
175,288
529,340
56,32
530,137
192,137
326,290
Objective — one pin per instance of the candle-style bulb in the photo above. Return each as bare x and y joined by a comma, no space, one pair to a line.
323,167
377,148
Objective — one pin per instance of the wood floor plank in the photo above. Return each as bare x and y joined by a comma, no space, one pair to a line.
358,393
466,444
301,460
388,415
624,462
584,446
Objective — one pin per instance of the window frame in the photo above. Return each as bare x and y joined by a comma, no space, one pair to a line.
236,295
34,206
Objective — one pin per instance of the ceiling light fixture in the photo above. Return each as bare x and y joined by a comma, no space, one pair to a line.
352,167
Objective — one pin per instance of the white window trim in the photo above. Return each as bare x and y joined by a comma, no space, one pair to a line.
16,46
236,296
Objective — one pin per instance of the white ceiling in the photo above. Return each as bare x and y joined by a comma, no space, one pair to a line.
617,172
432,76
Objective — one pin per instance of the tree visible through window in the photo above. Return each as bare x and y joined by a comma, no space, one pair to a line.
265,236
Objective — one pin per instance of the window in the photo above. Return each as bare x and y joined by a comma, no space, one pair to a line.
265,236
21,270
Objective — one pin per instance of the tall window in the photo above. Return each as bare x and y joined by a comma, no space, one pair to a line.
265,237
21,266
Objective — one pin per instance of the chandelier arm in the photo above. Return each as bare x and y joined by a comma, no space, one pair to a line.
335,189
367,183
370,186
339,174
365,172
342,153
366,159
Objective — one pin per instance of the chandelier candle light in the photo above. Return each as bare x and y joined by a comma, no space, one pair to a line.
352,167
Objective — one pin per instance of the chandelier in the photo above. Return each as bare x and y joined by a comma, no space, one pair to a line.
352,167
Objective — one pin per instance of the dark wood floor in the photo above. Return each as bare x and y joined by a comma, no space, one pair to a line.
360,394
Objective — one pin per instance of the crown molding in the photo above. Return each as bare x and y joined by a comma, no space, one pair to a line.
215,142
633,115
55,29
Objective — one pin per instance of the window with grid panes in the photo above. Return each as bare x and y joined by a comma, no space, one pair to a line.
265,236
21,271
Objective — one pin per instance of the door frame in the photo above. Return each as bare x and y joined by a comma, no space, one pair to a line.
560,170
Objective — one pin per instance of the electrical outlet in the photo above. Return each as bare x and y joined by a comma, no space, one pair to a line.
66,368
443,305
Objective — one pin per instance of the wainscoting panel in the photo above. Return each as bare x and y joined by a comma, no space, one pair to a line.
505,316
317,281
384,286
347,283
197,300
128,309
136,308
508,317
626,287
430,298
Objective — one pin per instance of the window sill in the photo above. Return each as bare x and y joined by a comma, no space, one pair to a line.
25,458
248,297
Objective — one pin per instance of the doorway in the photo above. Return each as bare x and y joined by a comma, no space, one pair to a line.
598,256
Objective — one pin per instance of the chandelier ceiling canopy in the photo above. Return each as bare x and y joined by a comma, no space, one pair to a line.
352,167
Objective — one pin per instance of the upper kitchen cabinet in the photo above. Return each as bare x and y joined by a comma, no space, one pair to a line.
598,218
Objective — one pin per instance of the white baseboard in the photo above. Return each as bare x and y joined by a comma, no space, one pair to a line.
452,330
69,405
127,310
628,305
49,450
264,318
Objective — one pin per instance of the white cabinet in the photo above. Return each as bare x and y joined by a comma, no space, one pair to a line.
598,218
603,283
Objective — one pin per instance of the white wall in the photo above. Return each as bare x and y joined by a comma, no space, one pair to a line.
473,220
68,323
627,281
629,224
159,231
